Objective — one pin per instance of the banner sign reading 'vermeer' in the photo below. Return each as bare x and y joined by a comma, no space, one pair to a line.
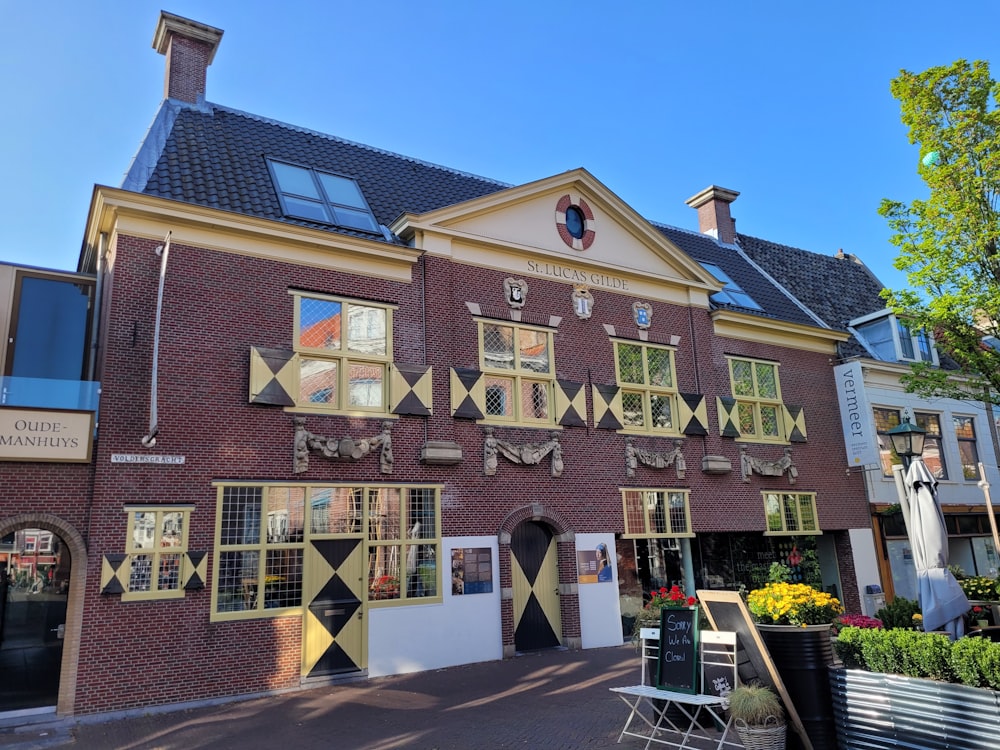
855,415
44,435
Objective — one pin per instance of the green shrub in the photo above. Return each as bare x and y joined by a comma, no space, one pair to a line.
932,655
898,613
848,647
971,661
965,660
989,661
883,654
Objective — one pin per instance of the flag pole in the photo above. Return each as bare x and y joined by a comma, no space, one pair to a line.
985,486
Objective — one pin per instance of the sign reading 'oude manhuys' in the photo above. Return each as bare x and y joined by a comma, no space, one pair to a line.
45,435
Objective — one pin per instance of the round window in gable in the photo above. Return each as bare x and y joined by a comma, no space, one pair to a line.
575,222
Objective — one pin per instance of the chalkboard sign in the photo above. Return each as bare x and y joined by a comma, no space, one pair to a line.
677,660
718,663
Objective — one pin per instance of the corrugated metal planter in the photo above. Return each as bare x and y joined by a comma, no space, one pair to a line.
873,711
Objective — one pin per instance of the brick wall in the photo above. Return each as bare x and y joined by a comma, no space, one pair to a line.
219,305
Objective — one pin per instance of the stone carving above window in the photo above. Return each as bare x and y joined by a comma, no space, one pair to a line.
751,464
526,453
654,459
343,448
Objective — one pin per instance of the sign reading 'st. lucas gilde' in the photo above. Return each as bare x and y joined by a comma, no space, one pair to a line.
856,416
45,435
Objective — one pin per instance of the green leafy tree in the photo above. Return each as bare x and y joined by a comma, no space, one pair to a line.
949,243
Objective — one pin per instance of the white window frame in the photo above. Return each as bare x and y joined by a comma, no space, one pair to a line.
895,325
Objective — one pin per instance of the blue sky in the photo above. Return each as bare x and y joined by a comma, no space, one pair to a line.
786,102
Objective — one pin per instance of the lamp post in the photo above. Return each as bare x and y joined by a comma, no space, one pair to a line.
908,441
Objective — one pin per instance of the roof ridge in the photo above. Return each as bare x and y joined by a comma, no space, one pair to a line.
151,146
357,144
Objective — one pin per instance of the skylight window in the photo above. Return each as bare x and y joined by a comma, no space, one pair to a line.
322,196
731,293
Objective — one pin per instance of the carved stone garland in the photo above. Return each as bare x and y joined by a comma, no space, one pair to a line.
527,453
344,448
750,464
654,459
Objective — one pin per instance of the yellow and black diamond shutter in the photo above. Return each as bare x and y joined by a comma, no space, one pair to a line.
273,376
468,394
195,571
608,411
729,420
692,414
795,423
410,390
571,404
333,628
114,574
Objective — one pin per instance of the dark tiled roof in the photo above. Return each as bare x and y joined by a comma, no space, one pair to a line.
707,249
215,156
836,289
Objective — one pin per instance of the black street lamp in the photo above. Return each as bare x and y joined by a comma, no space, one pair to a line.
908,441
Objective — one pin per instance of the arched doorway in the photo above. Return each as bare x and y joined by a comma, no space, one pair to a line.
42,573
534,567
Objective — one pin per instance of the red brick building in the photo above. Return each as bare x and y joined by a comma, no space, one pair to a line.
362,414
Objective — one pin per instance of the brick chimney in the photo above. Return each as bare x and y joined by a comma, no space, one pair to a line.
190,48
714,218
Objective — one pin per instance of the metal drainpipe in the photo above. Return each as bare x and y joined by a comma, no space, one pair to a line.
95,324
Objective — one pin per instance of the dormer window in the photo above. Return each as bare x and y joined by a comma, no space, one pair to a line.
322,196
891,340
731,294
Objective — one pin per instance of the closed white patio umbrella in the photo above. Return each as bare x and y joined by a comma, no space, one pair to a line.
941,599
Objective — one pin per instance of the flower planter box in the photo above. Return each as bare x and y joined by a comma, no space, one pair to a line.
875,711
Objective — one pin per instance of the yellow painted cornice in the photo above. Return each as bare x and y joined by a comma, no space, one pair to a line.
113,210
746,327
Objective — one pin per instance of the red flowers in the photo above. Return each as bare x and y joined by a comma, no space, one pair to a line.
672,597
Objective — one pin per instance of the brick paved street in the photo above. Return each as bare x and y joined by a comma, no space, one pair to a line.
556,700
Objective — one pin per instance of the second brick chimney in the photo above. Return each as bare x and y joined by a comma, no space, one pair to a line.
190,48
714,218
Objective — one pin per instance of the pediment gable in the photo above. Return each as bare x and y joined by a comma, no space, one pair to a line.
523,229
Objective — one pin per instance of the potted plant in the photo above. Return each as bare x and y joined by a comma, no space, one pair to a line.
672,598
795,621
758,716
979,616
979,588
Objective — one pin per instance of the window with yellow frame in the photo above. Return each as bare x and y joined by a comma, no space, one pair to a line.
647,378
404,544
518,372
263,532
157,539
757,392
790,513
657,513
345,347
